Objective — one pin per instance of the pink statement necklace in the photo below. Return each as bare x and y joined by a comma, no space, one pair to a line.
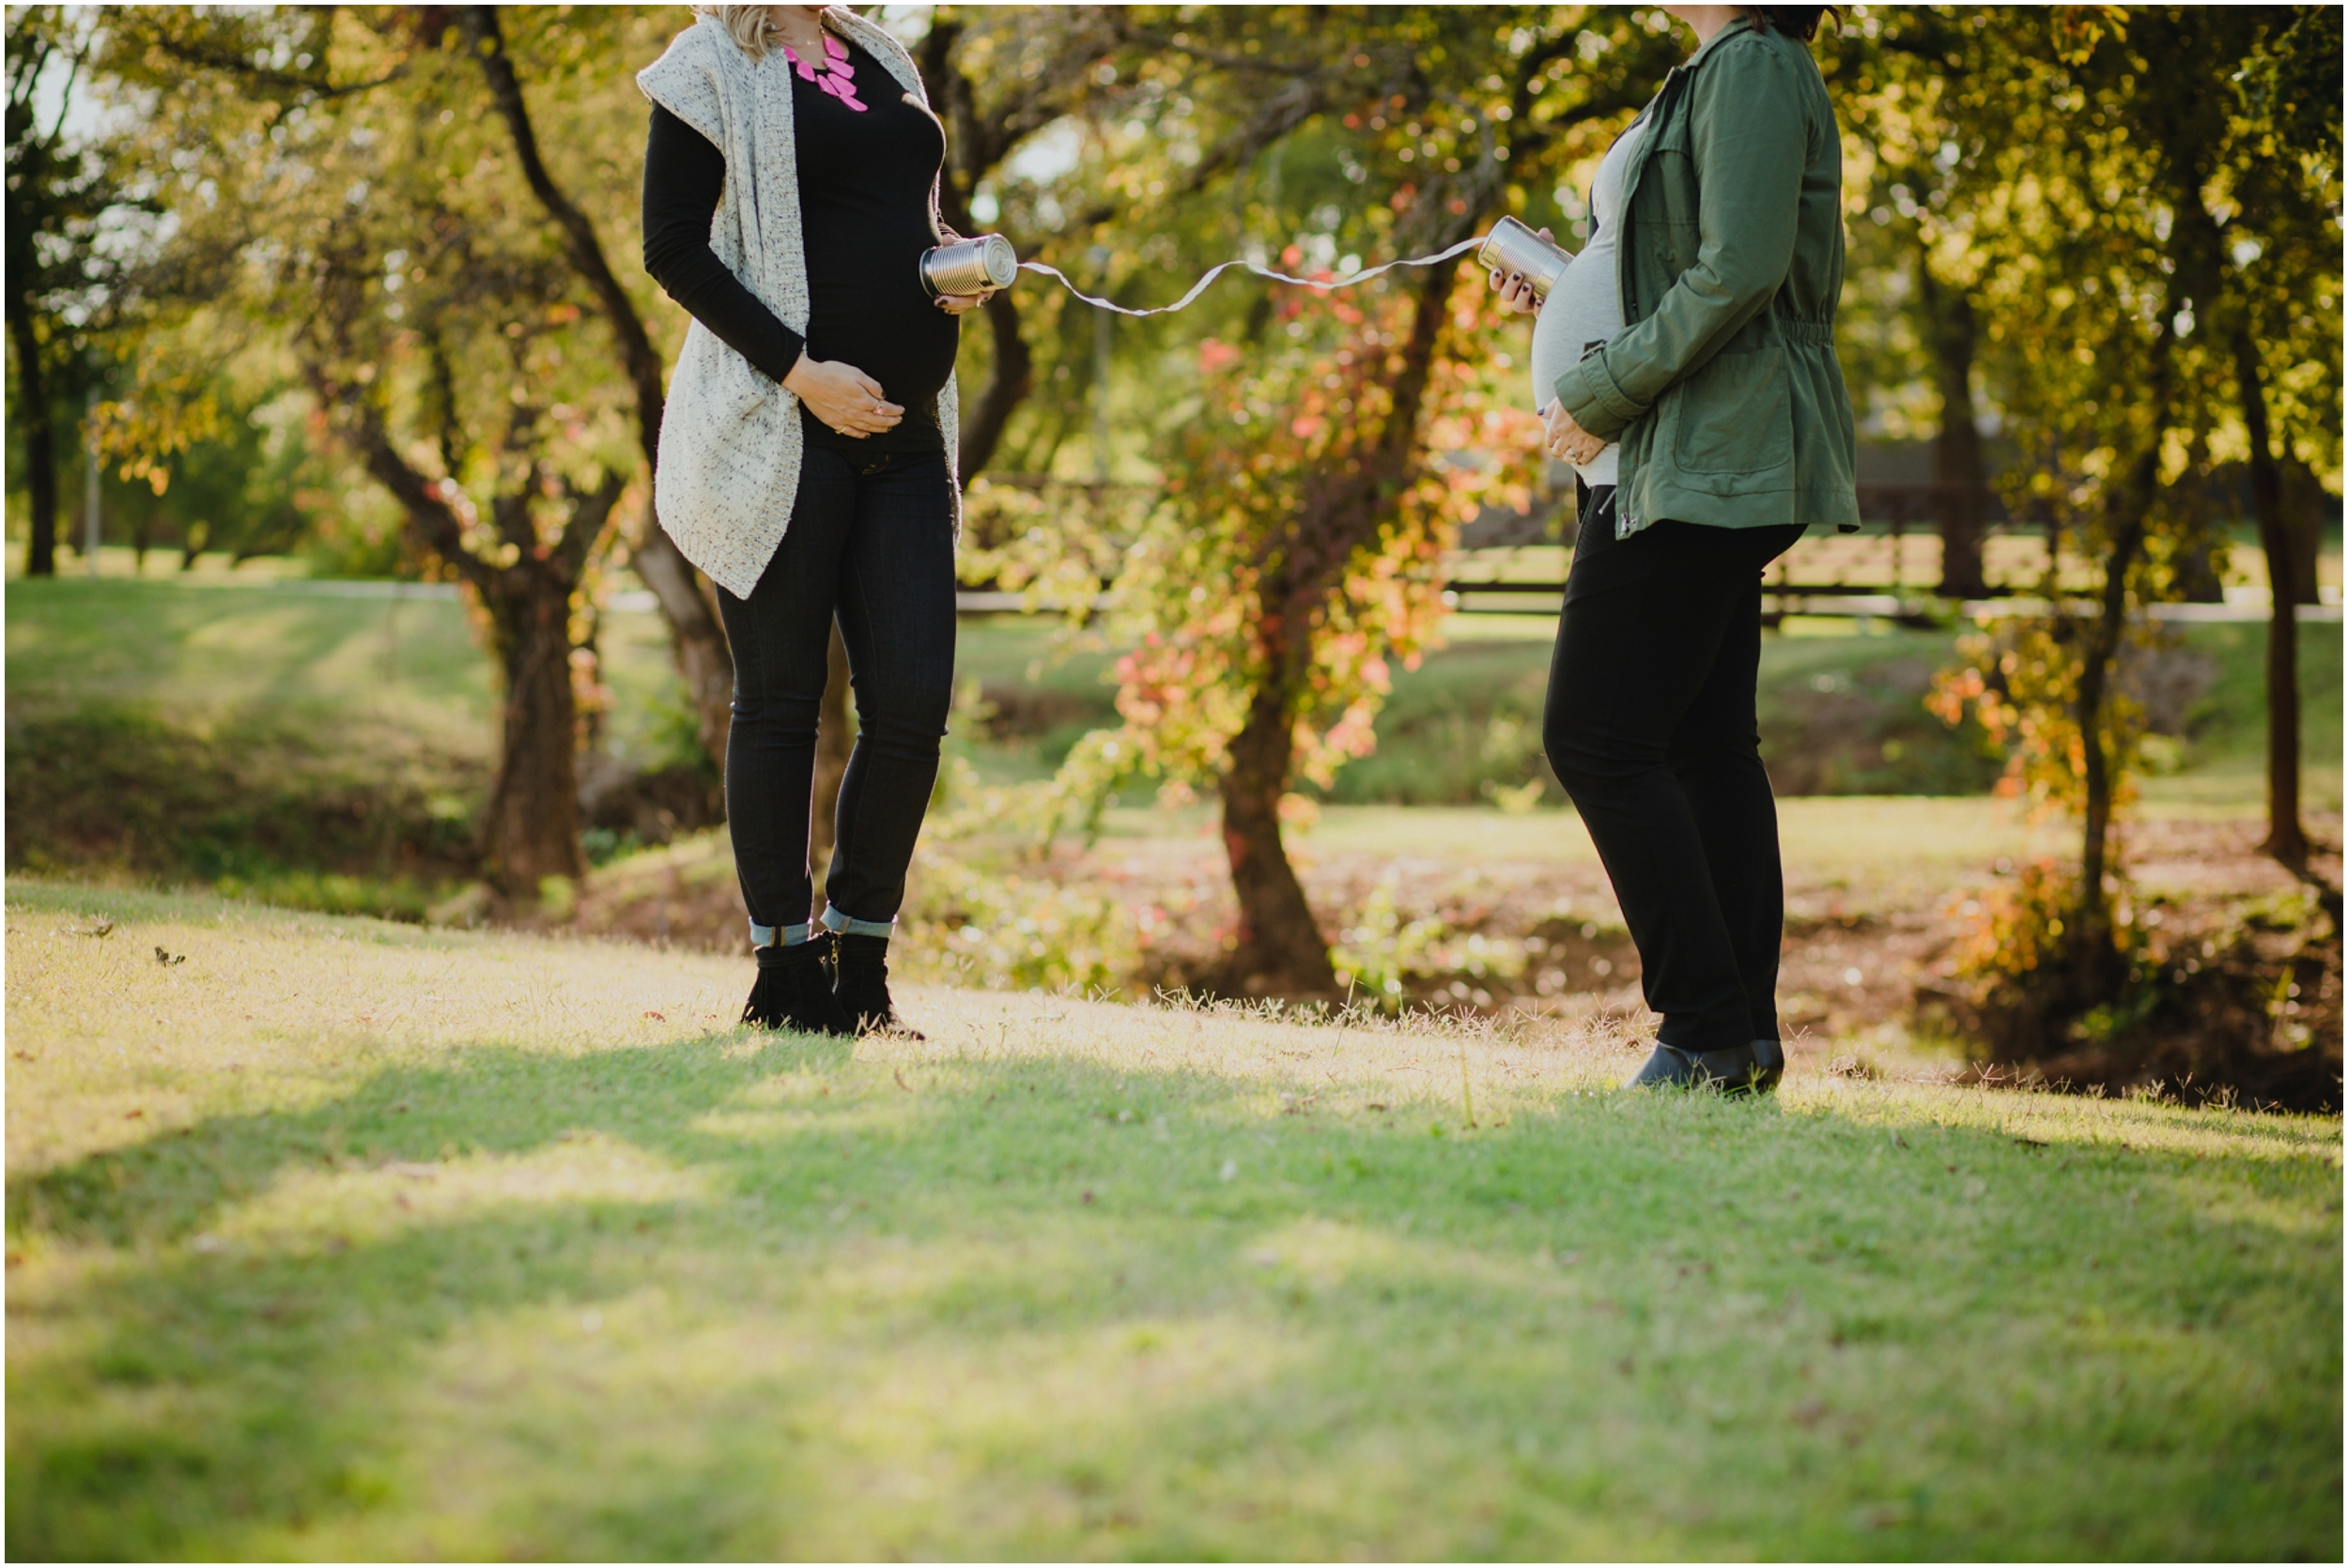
835,75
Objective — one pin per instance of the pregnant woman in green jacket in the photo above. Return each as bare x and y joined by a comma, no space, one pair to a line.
1708,393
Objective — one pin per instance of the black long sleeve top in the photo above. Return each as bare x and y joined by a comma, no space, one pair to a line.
865,179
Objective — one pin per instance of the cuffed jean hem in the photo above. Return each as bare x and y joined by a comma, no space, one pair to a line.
845,925
764,936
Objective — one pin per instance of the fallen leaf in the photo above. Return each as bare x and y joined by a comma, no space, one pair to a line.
166,958
900,1077
657,1018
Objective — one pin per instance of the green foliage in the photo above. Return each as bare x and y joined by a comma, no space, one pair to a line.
2019,683
1007,927
1271,427
68,219
246,480
2132,205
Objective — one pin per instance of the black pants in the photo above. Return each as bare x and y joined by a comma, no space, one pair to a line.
871,542
1650,726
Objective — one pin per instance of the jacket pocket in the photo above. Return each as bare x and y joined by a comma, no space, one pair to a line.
1734,416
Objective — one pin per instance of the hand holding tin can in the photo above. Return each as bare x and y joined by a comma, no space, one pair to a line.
969,268
1524,265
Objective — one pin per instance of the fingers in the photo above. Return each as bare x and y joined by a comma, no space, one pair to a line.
868,418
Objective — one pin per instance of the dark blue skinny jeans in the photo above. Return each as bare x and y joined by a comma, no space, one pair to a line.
871,542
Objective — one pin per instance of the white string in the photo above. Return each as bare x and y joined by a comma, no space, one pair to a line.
1200,286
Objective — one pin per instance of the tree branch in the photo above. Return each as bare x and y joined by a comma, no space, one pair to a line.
578,233
436,524
284,82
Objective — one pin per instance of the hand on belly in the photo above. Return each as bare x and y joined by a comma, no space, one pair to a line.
842,396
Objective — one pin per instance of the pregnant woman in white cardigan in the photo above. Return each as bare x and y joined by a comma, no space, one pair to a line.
806,458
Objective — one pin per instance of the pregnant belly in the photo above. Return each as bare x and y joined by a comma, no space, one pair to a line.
1553,356
1581,311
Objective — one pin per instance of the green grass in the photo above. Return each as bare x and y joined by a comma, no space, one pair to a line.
347,1239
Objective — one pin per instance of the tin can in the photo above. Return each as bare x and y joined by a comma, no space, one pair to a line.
1511,247
970,267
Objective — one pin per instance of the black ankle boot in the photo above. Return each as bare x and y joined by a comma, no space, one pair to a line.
794,992
1768,1058
1735,1069
860,965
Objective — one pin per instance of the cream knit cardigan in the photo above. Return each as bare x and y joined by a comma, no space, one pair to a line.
730,443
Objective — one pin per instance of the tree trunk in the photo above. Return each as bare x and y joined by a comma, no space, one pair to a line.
2198,580
1956,464
2092,948
2286,838
835,738
1281,951
40,439
1007,387
531,832
2095,969
697,640
2303,502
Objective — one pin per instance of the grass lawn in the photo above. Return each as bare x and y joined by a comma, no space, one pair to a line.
342,1238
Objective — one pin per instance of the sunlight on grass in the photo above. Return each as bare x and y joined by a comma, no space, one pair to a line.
344,1239
303,1208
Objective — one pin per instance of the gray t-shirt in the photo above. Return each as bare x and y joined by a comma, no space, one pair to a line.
1584,307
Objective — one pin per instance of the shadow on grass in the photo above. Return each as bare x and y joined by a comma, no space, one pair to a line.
820,1306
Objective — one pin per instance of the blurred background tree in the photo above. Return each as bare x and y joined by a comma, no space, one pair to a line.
1317,455
2119,184
61,188
357,226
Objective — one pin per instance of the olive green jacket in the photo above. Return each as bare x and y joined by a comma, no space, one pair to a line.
1724,389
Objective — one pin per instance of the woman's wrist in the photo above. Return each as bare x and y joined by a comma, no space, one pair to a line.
793,379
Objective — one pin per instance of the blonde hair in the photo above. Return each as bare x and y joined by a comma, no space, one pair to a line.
751,26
